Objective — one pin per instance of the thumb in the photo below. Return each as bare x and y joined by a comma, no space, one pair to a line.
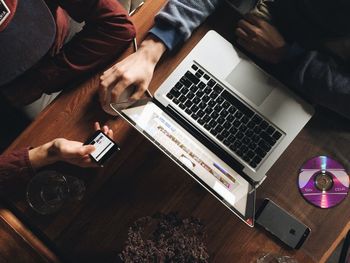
87,149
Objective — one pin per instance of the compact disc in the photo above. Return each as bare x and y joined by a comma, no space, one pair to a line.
323,182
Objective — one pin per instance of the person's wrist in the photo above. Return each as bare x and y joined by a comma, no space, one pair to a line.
152,48
279,54
293,51
43,155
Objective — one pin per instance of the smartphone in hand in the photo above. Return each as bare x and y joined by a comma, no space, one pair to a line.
105,147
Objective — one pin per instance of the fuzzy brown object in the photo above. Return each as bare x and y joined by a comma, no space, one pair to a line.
165,238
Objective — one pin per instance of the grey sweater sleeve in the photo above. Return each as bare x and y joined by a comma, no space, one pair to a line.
177,20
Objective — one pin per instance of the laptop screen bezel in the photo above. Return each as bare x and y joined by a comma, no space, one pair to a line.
248,218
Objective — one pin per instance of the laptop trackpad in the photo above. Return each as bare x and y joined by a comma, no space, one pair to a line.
251,81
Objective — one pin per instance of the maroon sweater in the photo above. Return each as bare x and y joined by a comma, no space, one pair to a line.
15,166
106,33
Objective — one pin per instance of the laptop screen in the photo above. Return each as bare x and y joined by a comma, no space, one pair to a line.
205,167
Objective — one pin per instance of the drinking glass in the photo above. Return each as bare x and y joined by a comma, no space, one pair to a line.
48,191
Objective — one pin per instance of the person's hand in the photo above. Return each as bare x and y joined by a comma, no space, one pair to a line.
61,149
135,71
71,152
261,39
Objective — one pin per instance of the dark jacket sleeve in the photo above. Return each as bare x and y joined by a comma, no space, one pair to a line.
321,79
14,167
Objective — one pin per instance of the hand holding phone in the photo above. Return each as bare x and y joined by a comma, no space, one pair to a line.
104,147
281,224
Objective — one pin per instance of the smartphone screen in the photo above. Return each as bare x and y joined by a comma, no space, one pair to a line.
104,147
282,224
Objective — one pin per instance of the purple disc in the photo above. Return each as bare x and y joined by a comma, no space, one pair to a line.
323,182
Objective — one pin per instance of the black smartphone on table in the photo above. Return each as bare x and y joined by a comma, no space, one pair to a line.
281,224
105,147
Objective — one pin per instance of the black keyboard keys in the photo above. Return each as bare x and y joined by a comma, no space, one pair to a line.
224,116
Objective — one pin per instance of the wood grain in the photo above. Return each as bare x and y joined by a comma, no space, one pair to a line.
141,181
18,244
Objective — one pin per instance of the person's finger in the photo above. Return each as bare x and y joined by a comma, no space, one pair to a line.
97,126
105,129
103,93
119,89
115,76
86,149
254,19
110,79
240,33
111,69
247,27
139,92
245,44
110,133
106,86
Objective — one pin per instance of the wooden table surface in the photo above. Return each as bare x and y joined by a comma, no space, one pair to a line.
140,181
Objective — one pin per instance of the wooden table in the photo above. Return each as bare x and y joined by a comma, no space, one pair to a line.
141,181
16,239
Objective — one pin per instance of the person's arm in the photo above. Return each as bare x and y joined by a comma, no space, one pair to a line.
135,70
21,164
61,149
15,165
315,75
321,79
24,162
107,31
261,39
173,25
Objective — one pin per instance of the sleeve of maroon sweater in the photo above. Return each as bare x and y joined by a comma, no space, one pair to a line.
14,167
106,33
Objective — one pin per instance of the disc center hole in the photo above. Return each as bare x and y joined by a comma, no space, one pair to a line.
323,181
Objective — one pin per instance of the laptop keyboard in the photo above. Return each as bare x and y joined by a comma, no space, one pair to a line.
232,122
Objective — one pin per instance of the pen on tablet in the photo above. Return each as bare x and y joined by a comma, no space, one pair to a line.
134,41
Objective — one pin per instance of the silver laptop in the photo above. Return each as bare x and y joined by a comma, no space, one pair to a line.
222,119
246,112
